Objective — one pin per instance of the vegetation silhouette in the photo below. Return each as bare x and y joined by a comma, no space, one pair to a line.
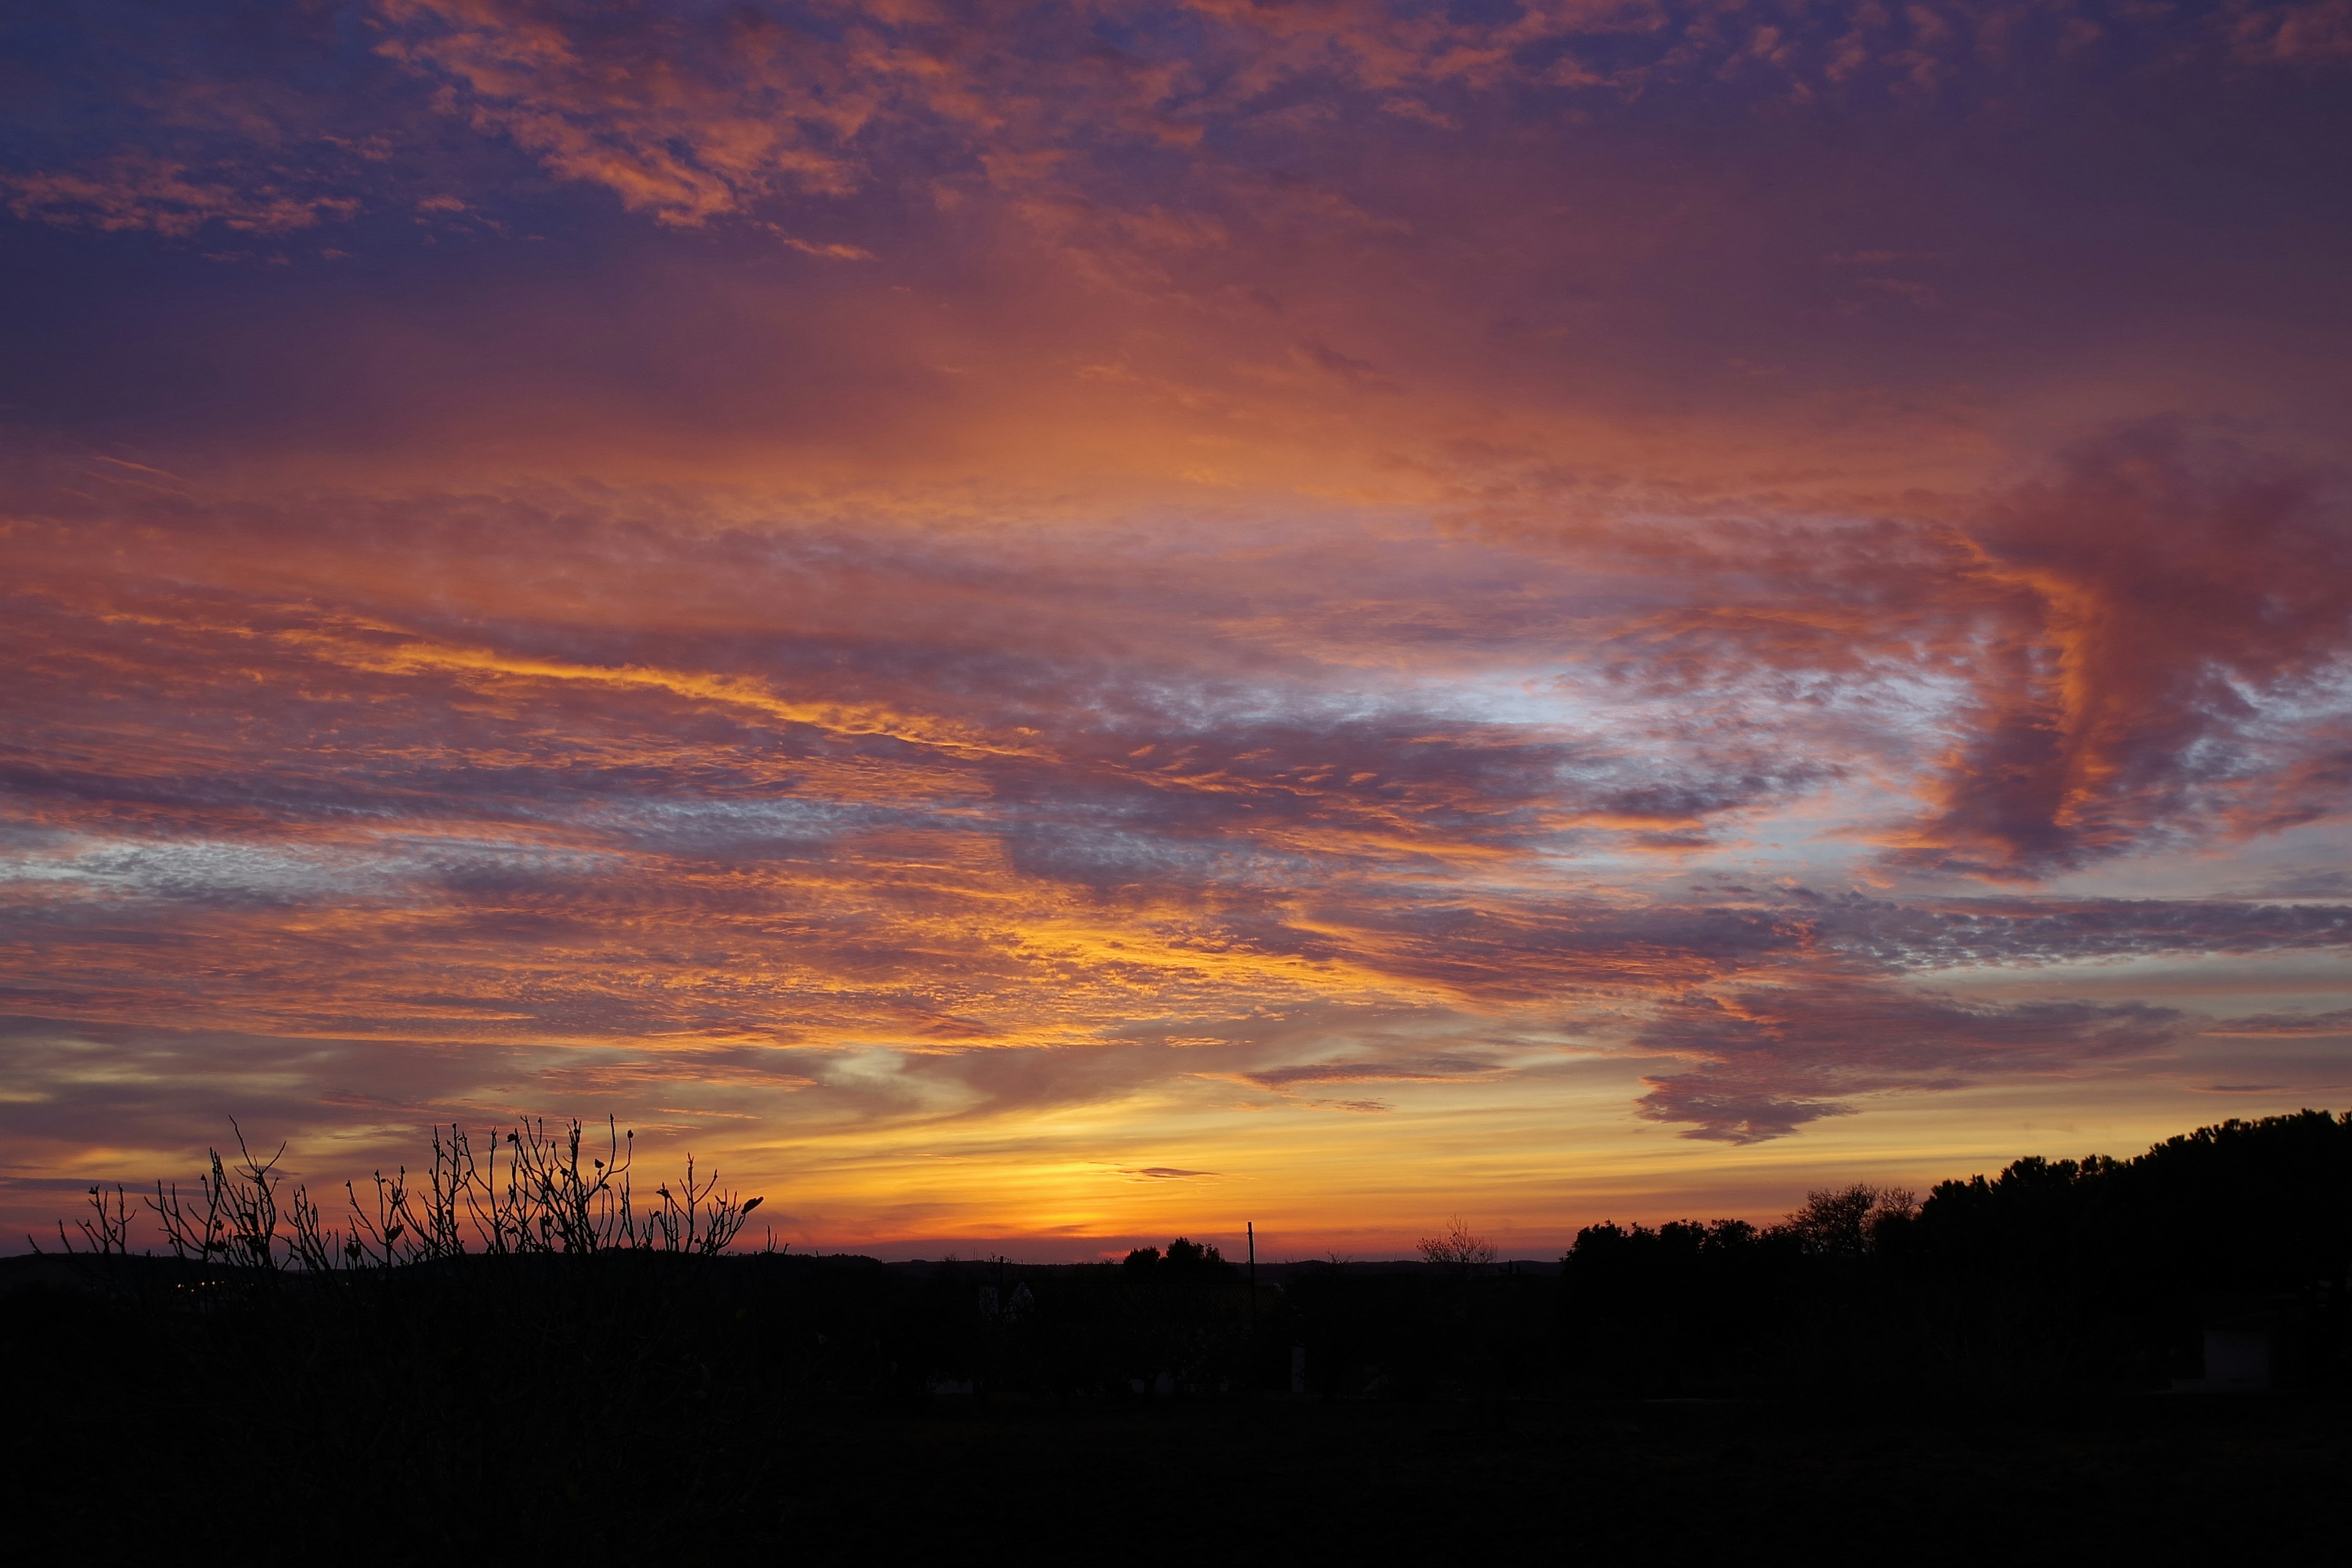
543,1202
512,1341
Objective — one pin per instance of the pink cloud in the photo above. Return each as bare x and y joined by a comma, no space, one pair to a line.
132,191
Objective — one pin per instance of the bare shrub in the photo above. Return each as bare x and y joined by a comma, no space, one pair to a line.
238,1221
107,1230
1459,1247
531,1191
697,1219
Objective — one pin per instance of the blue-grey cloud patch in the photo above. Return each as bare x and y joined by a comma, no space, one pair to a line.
1768,1060
2329,1025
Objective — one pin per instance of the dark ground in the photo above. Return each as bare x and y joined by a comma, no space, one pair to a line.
2156,1478
504,1410
2151,1478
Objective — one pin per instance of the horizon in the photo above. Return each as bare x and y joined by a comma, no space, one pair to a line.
1029,625
1032,1250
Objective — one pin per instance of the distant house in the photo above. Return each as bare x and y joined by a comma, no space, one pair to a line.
1017,1305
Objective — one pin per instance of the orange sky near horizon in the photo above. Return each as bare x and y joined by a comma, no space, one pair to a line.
1034,627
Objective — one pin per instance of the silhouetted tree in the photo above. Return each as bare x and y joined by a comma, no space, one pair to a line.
1845,1222
1458,1249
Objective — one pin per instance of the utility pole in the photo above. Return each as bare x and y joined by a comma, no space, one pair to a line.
1253,1258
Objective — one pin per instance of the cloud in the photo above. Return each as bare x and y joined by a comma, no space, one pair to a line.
1771,1059
2332,1025
132,191
682,121
833,252
2318,33
2173,606
969,805
1729,1112
1928,934
1433,1070
2151,646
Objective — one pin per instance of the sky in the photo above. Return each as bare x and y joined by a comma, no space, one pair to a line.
1034,627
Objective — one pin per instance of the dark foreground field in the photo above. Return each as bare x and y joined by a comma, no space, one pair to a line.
2160,1478
667,1413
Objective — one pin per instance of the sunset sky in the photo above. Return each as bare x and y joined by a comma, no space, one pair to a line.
1036,626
